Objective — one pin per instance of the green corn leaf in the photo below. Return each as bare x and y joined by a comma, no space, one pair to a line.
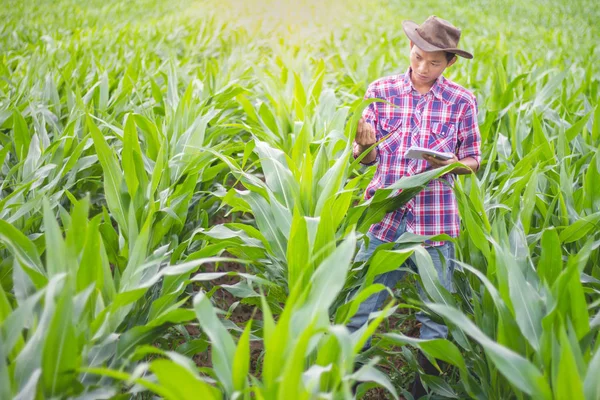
241,359
569,384
347,311
16,321
56,257
518,370
30,358
278,177
92,272
591,184
76,230
30,389
151,135
266,223
328,280
529,197
223,347
131,158
431,278
543,95
385,260
441,349
60,354
22,137
591,383
25,252
507,324
5,385
324,242
293,367
113,176
550,263
580,228
528,305
159,389
577,127
298,251
180,383
369,373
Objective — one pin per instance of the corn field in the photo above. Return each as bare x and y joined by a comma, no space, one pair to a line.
180,208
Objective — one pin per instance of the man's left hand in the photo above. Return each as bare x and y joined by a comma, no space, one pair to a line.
438,162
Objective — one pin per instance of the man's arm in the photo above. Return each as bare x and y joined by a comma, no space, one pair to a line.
469,139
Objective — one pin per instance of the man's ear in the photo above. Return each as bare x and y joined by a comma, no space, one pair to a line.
411,44
452,61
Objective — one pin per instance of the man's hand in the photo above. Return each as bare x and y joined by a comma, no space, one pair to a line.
365,138
471,164
438,162
365,135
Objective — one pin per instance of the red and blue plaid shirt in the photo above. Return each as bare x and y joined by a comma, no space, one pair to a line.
444,119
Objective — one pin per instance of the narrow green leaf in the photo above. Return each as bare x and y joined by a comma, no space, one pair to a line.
21,137
528,202
5,385
131,156
56,257
241,359
223,347
569,384
61,353
298,251
113,176
550,263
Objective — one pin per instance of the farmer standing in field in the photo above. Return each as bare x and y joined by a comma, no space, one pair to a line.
430,111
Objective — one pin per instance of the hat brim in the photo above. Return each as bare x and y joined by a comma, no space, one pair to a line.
410,29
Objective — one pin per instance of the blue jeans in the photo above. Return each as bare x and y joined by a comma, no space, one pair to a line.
429,328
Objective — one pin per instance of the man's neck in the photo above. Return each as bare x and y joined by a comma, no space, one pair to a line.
423,89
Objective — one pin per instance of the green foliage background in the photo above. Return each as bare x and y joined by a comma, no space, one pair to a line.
154,153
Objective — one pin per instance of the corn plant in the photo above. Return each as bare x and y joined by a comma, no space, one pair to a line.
145,146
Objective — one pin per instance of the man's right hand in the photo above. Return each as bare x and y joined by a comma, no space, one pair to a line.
365,135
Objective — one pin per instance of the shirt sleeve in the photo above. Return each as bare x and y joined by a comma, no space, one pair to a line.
469,138
370,115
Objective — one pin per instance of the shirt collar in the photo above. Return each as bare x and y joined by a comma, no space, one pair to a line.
436,89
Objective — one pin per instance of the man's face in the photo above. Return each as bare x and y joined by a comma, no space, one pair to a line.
427,66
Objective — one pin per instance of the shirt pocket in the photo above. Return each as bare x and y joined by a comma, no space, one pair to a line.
442,137
390,129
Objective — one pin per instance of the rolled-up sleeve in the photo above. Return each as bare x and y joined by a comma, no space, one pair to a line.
469,138
370,115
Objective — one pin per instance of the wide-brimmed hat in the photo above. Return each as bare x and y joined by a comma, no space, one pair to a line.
435,34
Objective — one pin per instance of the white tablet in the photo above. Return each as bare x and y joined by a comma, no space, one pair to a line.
418,152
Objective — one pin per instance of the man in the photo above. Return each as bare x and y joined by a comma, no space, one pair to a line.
429,111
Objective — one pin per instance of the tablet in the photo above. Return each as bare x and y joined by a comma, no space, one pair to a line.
417,153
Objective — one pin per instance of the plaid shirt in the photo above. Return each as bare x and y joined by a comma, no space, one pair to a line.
444,119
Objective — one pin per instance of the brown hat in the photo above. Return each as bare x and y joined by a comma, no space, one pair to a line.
435,34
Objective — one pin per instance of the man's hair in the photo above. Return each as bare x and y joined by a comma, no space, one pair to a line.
449,56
